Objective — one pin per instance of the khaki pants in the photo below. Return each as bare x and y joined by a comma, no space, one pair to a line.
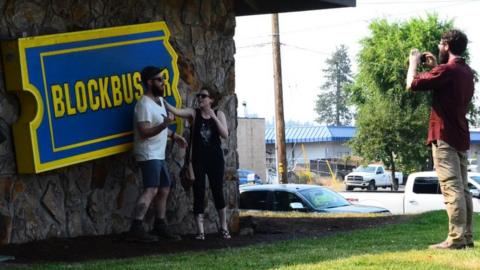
451,167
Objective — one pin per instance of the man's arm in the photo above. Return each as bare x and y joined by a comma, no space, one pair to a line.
146,130
413,60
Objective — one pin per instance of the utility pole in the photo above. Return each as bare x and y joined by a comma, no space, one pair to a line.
337,95
279,119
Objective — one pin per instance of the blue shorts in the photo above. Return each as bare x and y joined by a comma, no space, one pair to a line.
155,173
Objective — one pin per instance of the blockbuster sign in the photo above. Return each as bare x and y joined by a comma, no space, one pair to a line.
78,90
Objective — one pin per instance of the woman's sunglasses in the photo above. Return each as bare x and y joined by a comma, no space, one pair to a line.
202,96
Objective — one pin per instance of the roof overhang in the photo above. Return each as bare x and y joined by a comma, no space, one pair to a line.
256,7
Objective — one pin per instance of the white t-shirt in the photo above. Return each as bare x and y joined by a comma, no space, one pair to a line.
147,110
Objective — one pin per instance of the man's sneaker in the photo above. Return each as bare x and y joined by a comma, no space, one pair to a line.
200,236
138,234
225,234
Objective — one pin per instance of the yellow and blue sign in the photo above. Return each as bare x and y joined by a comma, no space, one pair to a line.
78,91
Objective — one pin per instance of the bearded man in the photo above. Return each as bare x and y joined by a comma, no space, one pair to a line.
151,122
452,84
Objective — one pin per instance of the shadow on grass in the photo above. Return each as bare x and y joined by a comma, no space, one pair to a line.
308,241
416,234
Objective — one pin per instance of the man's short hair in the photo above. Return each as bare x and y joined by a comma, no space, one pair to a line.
149,72
457,41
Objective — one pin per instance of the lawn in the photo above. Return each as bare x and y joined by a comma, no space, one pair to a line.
399,246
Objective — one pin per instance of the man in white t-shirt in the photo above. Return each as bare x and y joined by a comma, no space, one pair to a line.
151,122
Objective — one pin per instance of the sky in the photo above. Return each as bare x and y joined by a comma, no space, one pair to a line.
309,38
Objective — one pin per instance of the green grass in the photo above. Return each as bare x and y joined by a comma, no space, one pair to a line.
399,246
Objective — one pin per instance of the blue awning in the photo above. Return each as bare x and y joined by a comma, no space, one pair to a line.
311,134
474,136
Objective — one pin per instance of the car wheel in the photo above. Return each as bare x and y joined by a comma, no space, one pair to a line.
371,186
349,188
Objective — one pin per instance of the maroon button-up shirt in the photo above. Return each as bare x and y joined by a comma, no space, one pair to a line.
452,85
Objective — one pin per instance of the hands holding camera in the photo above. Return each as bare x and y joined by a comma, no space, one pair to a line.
426,58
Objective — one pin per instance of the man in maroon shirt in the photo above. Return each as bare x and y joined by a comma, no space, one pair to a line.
452,84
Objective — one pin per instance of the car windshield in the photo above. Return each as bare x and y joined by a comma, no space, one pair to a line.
476,179
368,169
243,173
322,198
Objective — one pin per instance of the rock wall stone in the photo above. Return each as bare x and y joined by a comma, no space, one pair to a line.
98,197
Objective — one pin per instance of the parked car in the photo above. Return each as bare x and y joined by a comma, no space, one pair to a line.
472,165
248,177
296,197
371,177
422,194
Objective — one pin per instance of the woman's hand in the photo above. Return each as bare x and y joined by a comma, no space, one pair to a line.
210,112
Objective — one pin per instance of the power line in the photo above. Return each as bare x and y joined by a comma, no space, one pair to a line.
304,49
255,45
259,45
264,44
252,55
416,11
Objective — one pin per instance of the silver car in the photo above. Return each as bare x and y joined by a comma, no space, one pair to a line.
294,197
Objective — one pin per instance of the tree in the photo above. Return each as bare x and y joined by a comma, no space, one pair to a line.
391,122
391,134
331,103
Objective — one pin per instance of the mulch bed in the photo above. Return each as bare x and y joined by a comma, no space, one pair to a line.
265,230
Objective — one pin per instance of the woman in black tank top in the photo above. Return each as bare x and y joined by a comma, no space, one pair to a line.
207,157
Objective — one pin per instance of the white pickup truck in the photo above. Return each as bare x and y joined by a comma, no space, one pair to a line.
371,177
422,193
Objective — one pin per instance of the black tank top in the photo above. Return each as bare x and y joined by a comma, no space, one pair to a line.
206,139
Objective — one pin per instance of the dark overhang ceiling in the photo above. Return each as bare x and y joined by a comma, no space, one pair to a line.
255,7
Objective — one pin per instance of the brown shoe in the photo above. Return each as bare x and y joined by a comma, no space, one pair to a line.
160,229
138,234
470,245
447,245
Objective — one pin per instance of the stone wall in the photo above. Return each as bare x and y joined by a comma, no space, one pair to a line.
97,197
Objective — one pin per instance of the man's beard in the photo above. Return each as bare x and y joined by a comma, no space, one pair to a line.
442,57
157,91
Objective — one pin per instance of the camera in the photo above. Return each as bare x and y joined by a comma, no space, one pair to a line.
423,58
